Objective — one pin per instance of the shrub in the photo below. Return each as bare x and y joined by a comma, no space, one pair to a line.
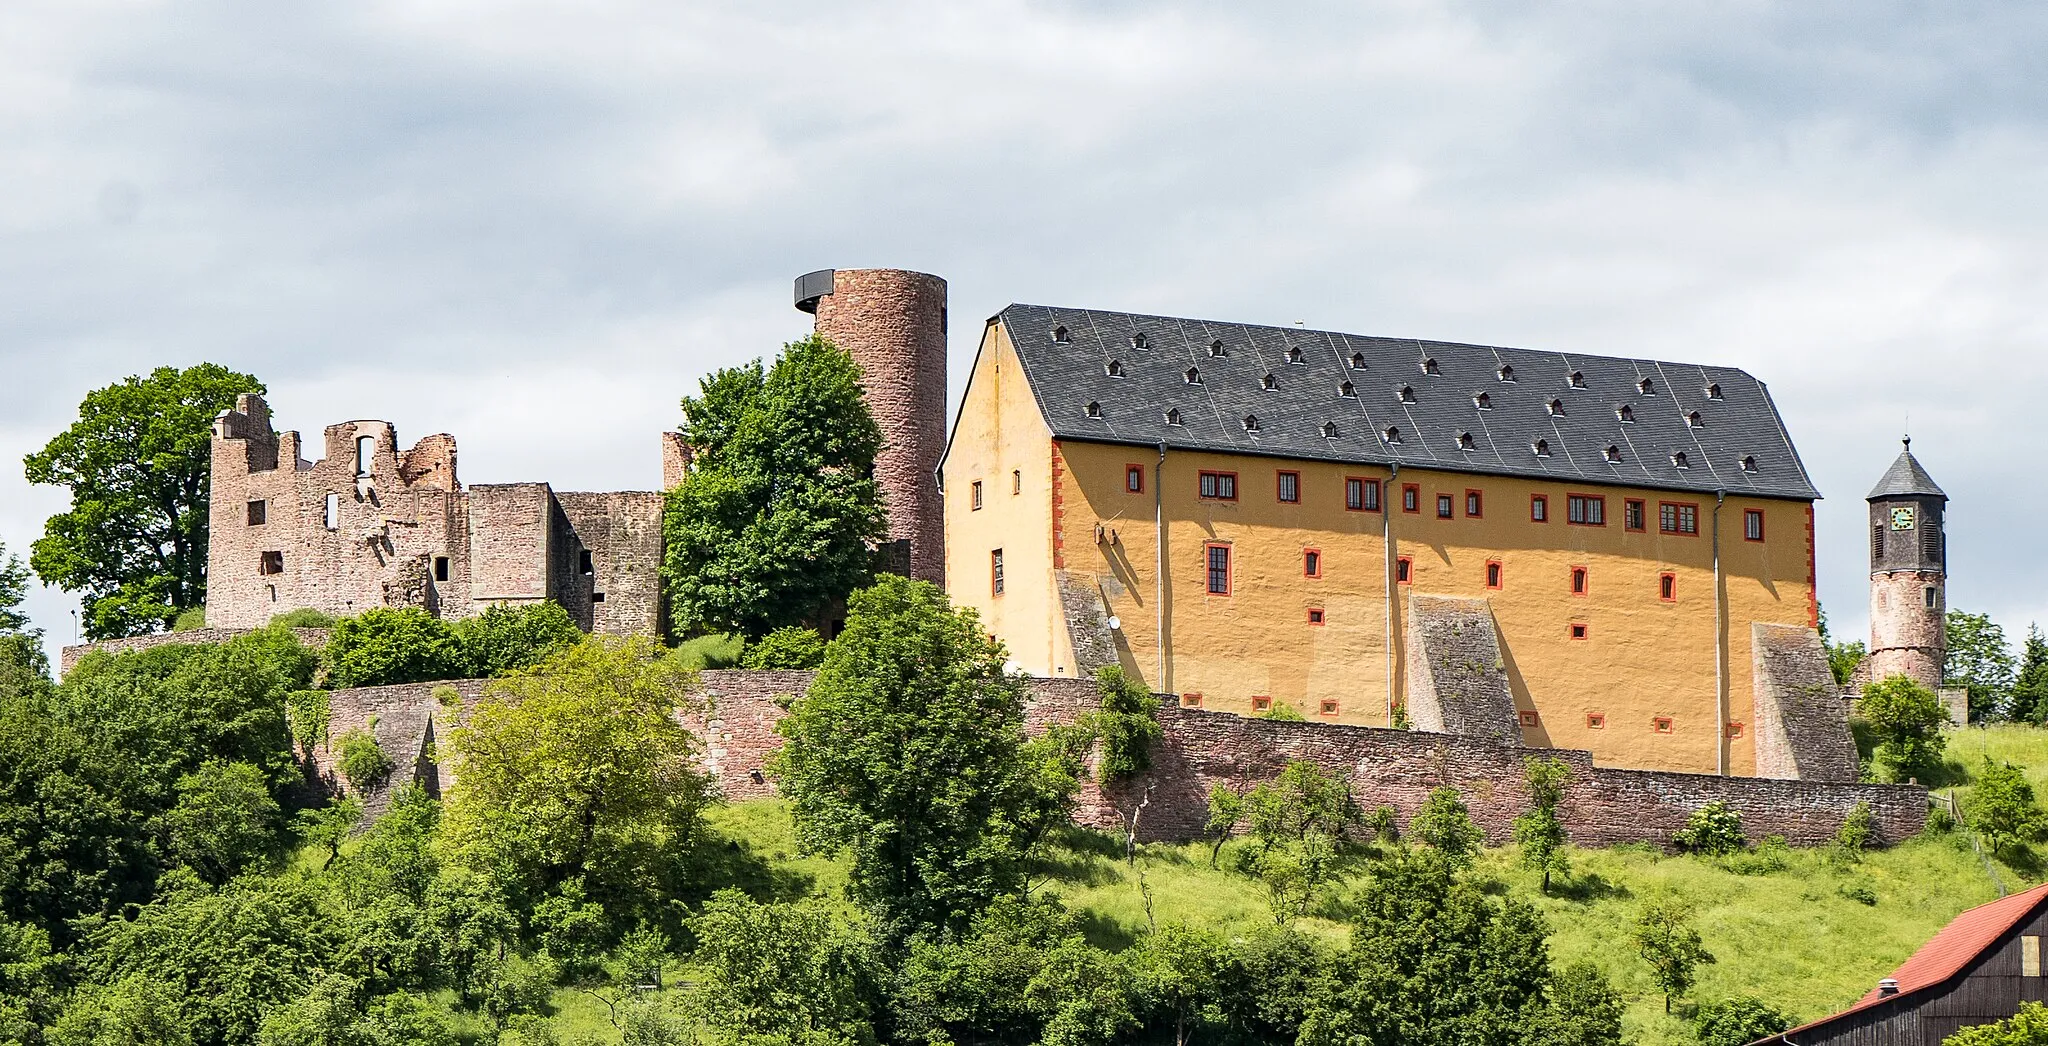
1854,836
506,639
190,620
307,712
795,647
1860,892
385,646
722,650
1127,724
1771,855
1281,711
304,617
1738,1021
363,762
2024,1028
1905,721
1713,830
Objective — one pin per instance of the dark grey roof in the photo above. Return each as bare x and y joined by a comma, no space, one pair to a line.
1906,479
1739,444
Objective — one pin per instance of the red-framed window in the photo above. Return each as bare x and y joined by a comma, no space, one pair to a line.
1734,729
1582,581
1192,700
1662,724
1404,571
1411,497
1217,486
1444,505
1361,494
1752,524
1596,721
1315,616
1580,630
1287,487
1134,479
1678,517
1529,717
1585,510
1216,564
995,572
1633,516
1667,587
1539,508
1261,702
1311,562
1493,574
1328,706
1475,504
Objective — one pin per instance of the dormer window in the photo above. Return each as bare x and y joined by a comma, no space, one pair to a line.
1059,334
1115,369
1429,365
1678,461
1348,391
1613,455
1507,374
1140,341
1646,388
1268,383
1557,408
1465,441
1577,380
1693,419
1626,413
1748,464
1714,391
1294,356
1541,447
1358,361
1173,415
1251,423
1483,401
1216,348
1193,376
1094,409
1393,435
1407,393
1329,430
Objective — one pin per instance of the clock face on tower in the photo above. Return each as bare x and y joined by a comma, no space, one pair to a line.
1902,517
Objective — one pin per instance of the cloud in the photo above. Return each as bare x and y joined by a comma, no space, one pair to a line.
534,225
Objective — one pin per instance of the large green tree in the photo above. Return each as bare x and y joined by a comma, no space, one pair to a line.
774,523
2030,687
13,589
1905,721
908,751
1979,660
138,463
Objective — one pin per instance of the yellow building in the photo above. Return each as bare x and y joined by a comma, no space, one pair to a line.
1569,551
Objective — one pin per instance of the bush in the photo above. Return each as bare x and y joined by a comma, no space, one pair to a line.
190,620
1854,836
1127,724
304,617
722,650
1446,826
795,647
1713,830
1281,711
385,646
1771,855
2001,808
506,639
1738,1021
1859,892
363,762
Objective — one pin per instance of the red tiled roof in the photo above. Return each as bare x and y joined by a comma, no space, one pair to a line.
1945,955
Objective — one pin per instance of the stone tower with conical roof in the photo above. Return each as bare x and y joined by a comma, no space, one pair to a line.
1908,573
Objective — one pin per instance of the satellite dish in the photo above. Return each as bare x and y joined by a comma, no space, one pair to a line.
1116,624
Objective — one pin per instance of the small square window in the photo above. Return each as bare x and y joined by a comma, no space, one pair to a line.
1578,631
1443,506
1134,479
1661,724
1261,703
258,512
1539,509
974,497
1595,721
271,563
1328,707
1315,616
1191,700
1288,486
597,597
1734,729
1529,717
1312,562
1403,568
1493,574
1667,587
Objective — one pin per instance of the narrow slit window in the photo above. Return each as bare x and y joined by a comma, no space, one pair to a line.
1667,587
1539,508
1581,581
1016,481
995,572
366,451
974,496
1411,497
1404,570
333,512
1311,563
440,568
1134,479
1474,503
1493,574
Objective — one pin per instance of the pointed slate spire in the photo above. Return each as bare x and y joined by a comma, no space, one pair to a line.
1906,479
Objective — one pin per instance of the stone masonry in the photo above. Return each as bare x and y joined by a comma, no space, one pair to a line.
1802,728
1457,676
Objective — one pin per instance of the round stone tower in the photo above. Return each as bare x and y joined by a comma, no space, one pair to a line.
893,324
1908,574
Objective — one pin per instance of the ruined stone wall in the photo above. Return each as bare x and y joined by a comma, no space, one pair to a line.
893,323
622,532
1802,722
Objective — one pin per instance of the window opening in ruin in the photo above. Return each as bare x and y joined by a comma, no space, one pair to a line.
440,568
1493,574
1752,524
995,572
1289,484
258,512
366,449
1587,510
583,563
1218,557
1633,515
1315,615
1217,486
1667,587
1661,724
1443,506
597,597
271,563
1528,717
1580,581
1134,479
1595,721
1578,631
974,496
1539,508
1411,497
333,517
1404,570
273,592
1261,703
1311,563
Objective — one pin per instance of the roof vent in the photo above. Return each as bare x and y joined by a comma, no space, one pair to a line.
1348,391
1577,380
1059,334
1695,420
1358,361
1216,348
1429,365
1483,401
1714,391
1173,415
1678,460
1646,388
1613,454
1557,408
1094,409
1268,383
1140,341
1626,413
1887,988
1329,430
1393,435
1465,441
1251,423
1294,355
1193,376
1541,447
1115,369
1748,464
1407,393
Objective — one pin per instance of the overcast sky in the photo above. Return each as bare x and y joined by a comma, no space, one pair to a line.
535,225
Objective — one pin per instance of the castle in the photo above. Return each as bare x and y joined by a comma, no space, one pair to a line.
1533,548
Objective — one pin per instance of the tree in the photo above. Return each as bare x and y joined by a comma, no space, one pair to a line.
783,972
2030,687
908,751
1179,971
775,521
578,762
1843,658
1446,826
1666,939
1539,831
1584,1009
791,647
13,589
1226,812
1738,1021
1980,660
1713,830
138,463
386,645
1126,724
2001,808
225,820
1906,719
2027,1027
505,639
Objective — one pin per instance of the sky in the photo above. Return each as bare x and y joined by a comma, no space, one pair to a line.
537,225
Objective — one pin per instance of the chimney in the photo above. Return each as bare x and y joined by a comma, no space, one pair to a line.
1887,988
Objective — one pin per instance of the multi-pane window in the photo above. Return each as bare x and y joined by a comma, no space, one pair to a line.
1753,524
1443,506
1290,487
974,496
1218,486
1473,504
1678,519
1134,479
995,572
1587,509
1632,515
1411,498
1539,509
1219,569
1362,495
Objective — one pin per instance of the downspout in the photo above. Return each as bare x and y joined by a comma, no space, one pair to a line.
1159,577
1720,647
1387,542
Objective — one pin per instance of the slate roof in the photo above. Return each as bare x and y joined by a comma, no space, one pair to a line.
1457,412
1906,479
